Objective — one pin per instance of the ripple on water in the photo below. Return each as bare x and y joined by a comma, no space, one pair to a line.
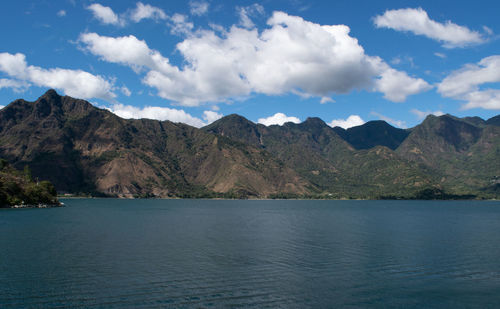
260,254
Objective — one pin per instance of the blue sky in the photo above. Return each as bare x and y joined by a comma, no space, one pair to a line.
346,62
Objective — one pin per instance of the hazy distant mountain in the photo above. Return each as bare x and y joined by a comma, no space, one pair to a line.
83,149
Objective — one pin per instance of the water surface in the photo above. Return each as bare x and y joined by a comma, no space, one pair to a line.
262,254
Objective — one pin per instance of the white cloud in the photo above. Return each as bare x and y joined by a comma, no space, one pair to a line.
290,56
397,85
13,65
486,99
211,116
1,106
422,114
144,11
464,84
198,8
180,25
248,11
468,78
351,121
488,30
125,91
279,119
127,50
418,22
76,83
440,55
17,86
396,60
394,122
325,100
163,113
61,13
105,14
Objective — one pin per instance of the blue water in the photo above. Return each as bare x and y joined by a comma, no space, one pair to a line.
262,254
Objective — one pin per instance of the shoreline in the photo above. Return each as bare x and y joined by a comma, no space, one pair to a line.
269,199
40,205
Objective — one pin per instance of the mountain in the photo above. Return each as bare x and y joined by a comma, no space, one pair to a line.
373,133
84,149
320,155
464,153
494,121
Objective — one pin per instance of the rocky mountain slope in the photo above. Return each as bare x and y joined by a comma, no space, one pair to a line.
319,154
84,149
465,154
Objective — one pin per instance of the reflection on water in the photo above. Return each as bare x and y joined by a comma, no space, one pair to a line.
288,254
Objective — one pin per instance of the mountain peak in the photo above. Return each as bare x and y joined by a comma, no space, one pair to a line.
232,120
494,121
313,123
235,117
50,93
373,133
236,127
314,120
445,130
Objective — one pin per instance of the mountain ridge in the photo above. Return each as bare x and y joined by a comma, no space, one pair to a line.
86,150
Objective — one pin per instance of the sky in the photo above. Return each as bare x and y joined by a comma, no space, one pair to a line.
271,61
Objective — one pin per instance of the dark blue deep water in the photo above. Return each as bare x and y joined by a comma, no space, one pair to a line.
261,254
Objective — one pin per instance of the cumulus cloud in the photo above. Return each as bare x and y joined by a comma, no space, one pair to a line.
486,99
1,106
163,113
418,22
198,8
421,114
17,86
145,11
351,121
211,116
291,55
105,14
394,122
61,13
278,118
127,50
75,83
397,85
464,84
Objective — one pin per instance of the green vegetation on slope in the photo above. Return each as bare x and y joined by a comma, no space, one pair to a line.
86,150
18,188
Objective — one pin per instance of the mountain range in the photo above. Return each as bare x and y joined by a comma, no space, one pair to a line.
85,150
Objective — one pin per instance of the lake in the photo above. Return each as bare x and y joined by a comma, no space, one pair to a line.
253,254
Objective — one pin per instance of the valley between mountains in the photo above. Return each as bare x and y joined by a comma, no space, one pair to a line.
84,150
